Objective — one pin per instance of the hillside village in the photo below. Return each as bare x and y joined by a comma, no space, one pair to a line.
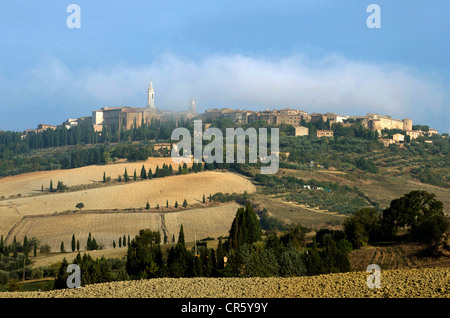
126,118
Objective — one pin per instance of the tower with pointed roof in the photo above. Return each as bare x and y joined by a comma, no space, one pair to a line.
192,107
151,97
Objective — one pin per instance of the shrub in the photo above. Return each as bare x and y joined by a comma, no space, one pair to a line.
45,248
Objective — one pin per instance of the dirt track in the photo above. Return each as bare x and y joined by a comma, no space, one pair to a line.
404,283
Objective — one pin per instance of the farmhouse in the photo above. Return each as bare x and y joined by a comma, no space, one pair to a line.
324,133
301,131
398,137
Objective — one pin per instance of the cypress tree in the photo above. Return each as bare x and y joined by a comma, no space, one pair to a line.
61,247
204,199
147,206
252,223
185,203
181,237
135,175
143,173
176,204
104,177
198,266
26,248
245,228
211,264
125,176
234,237
179,260
150,173
89,242
120,241
314,265
61,278
51,186
220,255
94,244
73,242
124,241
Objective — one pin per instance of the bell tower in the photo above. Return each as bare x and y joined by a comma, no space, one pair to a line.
192,107
150,96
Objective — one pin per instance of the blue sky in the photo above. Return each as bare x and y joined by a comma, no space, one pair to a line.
314,55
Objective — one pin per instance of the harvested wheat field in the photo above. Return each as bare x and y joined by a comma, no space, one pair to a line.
27,184
105,227
401,283
129,195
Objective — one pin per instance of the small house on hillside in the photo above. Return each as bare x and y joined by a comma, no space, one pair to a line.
398,137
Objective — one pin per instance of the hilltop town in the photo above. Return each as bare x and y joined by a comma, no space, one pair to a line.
126,118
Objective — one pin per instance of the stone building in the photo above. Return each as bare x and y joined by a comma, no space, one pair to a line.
239,117
335,118
379,122
301,131
413,134
324,133
124,118
293,120
398,137
315,117
215,113
43,127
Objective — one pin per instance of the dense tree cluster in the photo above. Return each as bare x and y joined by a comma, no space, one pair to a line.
93,271
418,211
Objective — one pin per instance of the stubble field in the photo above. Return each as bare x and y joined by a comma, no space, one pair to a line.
115,209
31,183
400,283
131,195
105,227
